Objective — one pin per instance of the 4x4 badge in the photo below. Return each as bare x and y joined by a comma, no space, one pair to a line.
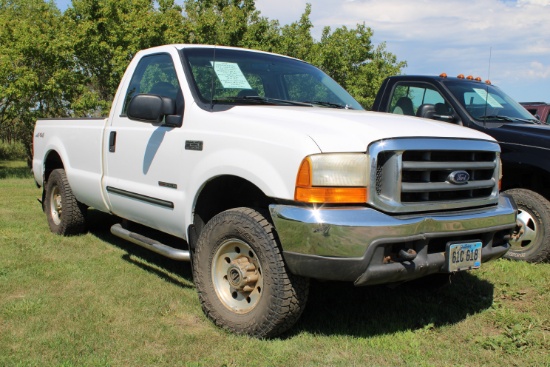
458,177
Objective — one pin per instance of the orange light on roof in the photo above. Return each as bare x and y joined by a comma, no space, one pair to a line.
488,82
460,76
443,75
478,79
469,77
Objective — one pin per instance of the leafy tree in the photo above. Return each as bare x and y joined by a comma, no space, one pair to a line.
37,69
229,23
349,57
296,39
108,33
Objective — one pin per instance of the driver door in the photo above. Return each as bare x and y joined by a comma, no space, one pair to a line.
142,179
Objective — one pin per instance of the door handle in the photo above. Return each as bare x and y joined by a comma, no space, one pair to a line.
112,141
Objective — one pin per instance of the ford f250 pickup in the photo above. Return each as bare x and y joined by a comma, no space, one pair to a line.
273,174
524,141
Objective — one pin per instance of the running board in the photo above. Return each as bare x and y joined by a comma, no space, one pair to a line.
150,244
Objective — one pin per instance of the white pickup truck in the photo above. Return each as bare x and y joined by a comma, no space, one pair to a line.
273,174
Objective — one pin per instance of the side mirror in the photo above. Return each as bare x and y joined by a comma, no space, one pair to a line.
154,109
429,111
426,111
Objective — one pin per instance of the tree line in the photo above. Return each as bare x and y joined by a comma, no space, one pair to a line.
69,64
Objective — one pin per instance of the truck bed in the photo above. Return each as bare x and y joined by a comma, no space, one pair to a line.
77,141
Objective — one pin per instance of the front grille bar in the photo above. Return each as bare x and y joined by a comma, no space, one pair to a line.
424,166
445,186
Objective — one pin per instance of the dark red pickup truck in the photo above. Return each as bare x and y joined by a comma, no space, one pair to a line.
524,140
540,110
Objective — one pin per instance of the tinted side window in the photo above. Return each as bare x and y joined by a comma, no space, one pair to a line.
407,98
154,74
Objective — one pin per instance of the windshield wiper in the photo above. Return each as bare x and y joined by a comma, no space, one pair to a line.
248,99
510,119
529,121
496,117
330,104
264,100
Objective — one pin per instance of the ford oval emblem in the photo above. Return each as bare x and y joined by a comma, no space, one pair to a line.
458,177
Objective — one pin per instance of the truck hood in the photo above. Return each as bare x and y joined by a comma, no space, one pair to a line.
338,130
523,134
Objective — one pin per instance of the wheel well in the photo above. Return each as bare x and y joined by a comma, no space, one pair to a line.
52,161
227,192
526,177
223,193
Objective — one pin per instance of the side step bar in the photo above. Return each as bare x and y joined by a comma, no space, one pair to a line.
150,244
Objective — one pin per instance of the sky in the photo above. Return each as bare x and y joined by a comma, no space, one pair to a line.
506,41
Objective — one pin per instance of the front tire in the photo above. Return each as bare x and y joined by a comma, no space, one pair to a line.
241,278
531,239
66,216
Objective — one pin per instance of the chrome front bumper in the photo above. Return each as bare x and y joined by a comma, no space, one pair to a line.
356,243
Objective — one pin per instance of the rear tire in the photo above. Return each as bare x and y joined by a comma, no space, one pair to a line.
531,239
66,216
241,278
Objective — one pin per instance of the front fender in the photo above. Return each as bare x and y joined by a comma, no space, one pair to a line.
275,178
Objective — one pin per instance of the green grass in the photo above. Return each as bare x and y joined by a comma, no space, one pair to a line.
14,169
95,300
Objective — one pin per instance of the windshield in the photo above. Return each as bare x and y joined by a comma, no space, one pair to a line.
227,76
488,103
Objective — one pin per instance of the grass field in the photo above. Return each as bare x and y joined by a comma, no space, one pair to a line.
95,300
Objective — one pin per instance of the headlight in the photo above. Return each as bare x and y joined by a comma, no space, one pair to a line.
333,178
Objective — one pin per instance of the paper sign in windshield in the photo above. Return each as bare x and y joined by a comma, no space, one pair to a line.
230,75
490,99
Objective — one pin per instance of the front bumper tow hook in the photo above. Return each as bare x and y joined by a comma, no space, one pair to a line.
408,255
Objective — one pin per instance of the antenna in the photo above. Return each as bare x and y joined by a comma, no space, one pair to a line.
489,71
487,86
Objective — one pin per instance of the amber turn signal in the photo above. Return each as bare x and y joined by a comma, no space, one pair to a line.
331,195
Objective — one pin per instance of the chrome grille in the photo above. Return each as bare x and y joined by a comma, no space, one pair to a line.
407,177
